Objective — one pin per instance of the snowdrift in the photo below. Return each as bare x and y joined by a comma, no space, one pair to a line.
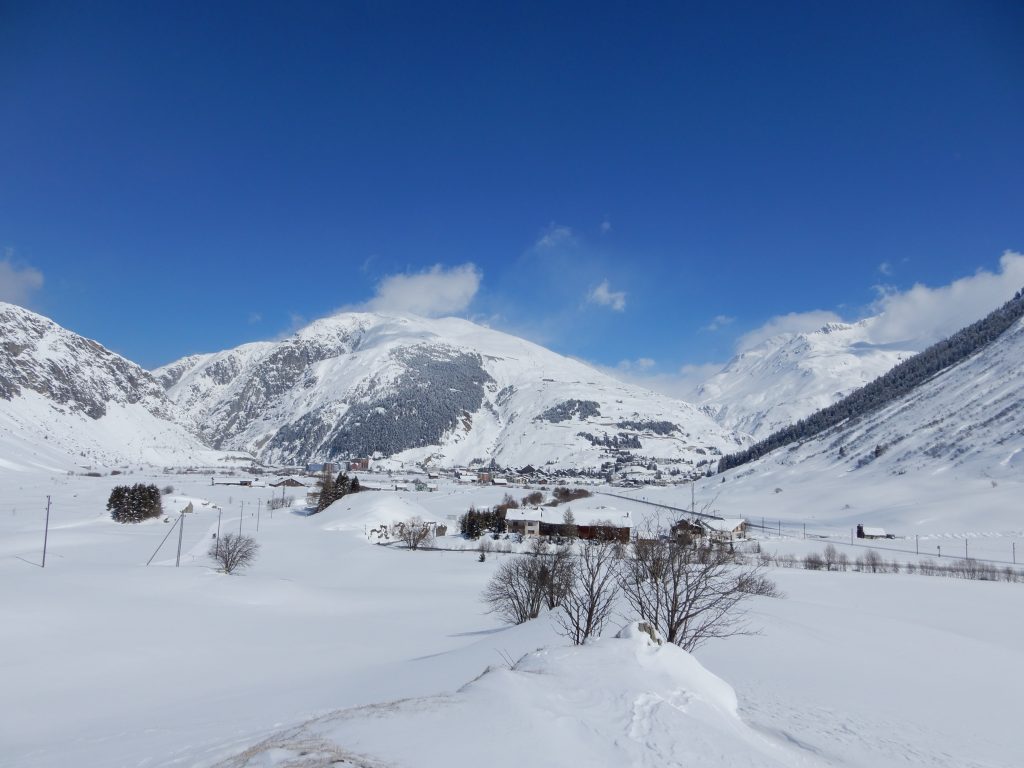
618,701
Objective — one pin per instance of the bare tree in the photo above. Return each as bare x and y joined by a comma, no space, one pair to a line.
516,590
232,552
588,602
415,533
831,558
690,594
556,576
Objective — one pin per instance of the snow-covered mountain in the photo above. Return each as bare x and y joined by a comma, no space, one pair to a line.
444,390
66,400
789,376
969,416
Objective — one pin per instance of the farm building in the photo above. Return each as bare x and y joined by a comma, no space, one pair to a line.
868,532
288,482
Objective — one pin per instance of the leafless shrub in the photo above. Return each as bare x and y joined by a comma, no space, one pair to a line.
556,576
592,588
787,560
874,563
415,533
232,552
516,590
813,561
689,594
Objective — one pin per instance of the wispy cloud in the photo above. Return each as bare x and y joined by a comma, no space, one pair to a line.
603,295
255,317
553,236
606,227
18,282
431,293
885,268
718,322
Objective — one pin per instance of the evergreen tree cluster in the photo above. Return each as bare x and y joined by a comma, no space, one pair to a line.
567,409
890,386
620,441
332,489
476,522
657,427
135,503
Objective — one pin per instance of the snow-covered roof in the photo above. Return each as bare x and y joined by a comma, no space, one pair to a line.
593,516
723,526
869,531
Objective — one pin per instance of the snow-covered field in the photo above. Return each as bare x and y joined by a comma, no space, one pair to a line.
107,662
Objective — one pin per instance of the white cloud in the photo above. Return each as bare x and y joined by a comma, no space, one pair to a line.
255,317
718,322
18,283
606,227
885,268
553,236
923,315
434,292
794,322
606,297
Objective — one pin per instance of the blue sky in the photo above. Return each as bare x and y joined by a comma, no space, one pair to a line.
620,184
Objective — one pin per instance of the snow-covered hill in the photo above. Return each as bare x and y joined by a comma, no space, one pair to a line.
789,376
968,419
446,391
67,401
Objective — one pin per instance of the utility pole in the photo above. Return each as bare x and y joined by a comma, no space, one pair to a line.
181,530
46,530
259,506
965,549
219,512
1013,548
917,545
241,511
805,530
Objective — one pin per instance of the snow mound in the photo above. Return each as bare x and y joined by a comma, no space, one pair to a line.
357,511
617,701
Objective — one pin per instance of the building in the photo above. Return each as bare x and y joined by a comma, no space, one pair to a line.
288,482
361,464
597,523
868,532
724,529
685,531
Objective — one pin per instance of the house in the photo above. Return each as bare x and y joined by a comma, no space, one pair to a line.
499,481
484,478
598,523
867,532
686,531
723,530
433,475
361,464
288,482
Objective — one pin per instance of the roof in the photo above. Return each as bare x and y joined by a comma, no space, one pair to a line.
723,526
868,531
588,517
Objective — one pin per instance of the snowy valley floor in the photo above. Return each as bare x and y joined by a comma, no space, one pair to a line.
107,663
